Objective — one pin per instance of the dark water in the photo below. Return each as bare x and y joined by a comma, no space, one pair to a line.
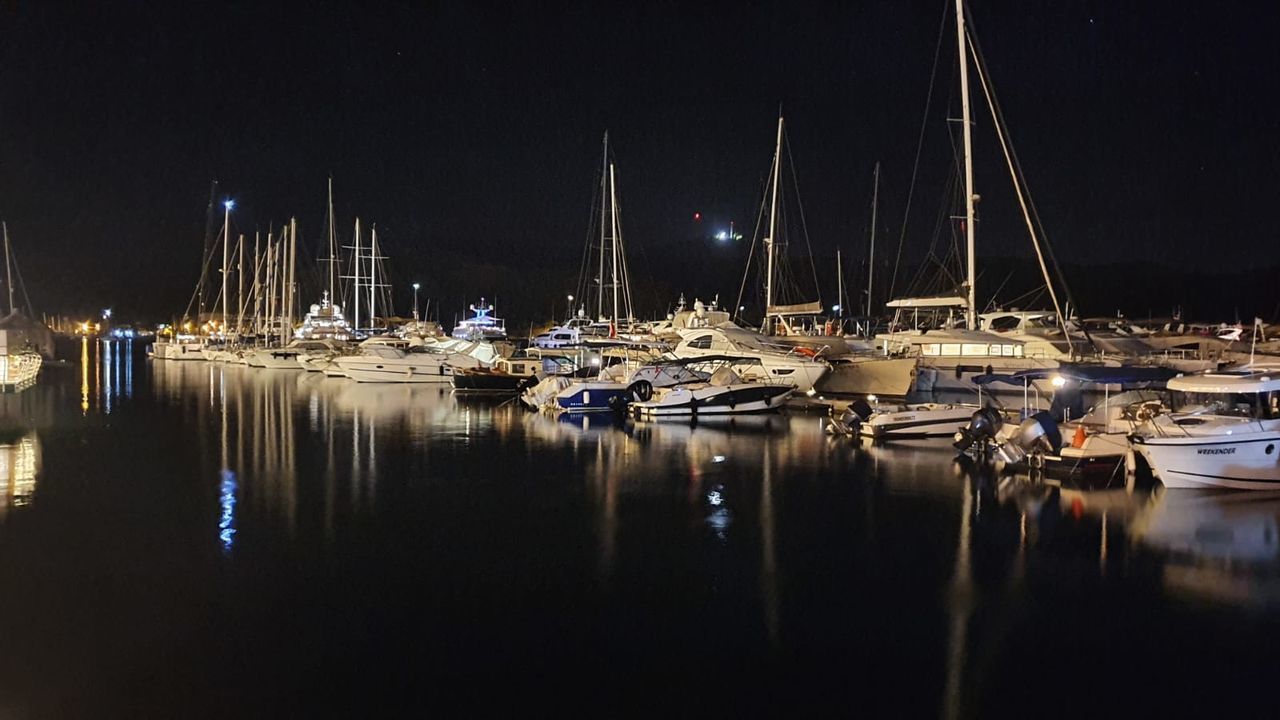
189,540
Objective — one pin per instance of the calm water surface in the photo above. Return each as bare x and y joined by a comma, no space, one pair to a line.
184,539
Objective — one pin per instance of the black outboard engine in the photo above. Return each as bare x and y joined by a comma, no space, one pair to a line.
850,421
982,428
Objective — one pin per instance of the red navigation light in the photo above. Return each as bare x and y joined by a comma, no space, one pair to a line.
697,217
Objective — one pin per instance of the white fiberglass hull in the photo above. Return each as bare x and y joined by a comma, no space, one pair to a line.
915,421
177,351
1242,460
736,399
417,368
887,377
278,359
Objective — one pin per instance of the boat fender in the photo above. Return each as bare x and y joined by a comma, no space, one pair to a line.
1078,440
641,390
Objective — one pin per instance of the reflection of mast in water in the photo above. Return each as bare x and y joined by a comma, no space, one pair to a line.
605,477
19,468
769,553
84,376
960,606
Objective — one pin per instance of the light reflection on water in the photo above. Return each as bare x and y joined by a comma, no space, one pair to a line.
760,532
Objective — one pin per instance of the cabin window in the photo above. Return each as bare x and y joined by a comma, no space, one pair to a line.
561,336
930,349
974,349
701,343
586,397
1005,324
951,348
517,369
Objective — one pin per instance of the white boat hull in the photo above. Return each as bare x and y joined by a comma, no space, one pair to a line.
417,368
1242,461
690,401
914,421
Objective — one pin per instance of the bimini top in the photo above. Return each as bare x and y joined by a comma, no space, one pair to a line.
1249,380
927,302
1096,374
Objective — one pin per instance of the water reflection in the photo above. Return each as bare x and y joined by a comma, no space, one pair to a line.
19,470
762,527
1217,546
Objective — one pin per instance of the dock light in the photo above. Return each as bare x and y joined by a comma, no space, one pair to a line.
1058,381
835,308
106,314
570,298
229,204
722,235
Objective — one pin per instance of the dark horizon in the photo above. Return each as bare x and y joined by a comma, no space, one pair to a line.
471,133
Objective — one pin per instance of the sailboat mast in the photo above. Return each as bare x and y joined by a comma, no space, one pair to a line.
613,222
240,286
839,285
356,290
287,331
604,227
8,268
373,273
773,223
257,288
871,258
226,241
971,255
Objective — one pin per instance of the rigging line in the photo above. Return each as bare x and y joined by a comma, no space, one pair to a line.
804,227
915,165
21,284
1035,214
751,253
1018,182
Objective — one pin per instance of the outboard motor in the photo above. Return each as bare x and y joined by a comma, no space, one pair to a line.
850,422
982,428
1039,433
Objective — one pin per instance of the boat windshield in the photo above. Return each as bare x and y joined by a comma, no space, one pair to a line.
1262,406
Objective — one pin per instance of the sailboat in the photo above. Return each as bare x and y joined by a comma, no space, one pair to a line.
944,331
20,337
799,329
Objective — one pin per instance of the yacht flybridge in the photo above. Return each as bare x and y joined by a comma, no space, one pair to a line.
1226,432
482,325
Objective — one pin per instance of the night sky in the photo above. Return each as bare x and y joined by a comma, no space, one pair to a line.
470,133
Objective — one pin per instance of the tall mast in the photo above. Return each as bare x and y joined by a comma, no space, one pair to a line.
287,332
8,269
871,258
773,223
271,286
257,289
613,223
240,286
839,285
971,299
356,290
373,272
226,240
604,208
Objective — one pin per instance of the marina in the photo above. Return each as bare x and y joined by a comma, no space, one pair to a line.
911,359
755,546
